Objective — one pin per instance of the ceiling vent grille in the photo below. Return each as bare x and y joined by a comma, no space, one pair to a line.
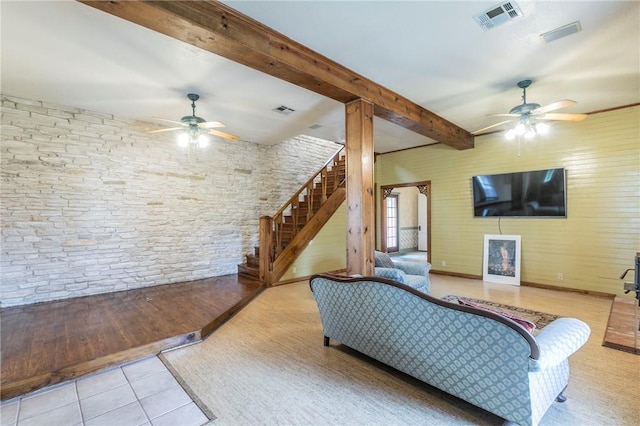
284,110
498,15
564,31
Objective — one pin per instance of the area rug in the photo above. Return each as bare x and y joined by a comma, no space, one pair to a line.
622,328
540,319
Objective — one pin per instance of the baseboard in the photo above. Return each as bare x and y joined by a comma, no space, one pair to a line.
455,274
569,289
531,284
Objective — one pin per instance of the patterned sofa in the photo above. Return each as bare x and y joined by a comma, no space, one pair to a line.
477,355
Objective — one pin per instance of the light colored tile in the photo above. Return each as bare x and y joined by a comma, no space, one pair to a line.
154,383
138,370
46,401
9,413
187,415
66,415
101,382
164,401
104,402
128,415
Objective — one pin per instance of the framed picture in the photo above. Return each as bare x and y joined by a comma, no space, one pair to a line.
502,259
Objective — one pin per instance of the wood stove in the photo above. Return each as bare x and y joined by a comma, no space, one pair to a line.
635,285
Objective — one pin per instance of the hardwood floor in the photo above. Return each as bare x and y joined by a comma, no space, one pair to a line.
48,343
623,328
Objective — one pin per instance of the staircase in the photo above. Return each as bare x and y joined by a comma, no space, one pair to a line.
287,233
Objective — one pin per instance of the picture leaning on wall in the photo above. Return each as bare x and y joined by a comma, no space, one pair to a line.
501,260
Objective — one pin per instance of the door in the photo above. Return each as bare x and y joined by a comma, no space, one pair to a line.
422,222
392,225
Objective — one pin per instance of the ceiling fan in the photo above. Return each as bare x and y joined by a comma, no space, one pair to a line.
529,114
197,126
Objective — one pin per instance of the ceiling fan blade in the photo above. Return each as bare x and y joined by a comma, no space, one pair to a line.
211,124
172,121
491,127
564,117
224,135
554,106
503,115
165,130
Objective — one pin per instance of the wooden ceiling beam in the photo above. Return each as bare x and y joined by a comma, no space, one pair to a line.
217,28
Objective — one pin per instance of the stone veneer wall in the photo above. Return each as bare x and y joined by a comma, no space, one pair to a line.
91,203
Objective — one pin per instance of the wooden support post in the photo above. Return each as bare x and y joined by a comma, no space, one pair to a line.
266,248
360,185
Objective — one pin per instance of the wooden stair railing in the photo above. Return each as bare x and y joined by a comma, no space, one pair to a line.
284,236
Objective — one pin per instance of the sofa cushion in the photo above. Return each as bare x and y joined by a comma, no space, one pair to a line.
390,274
383,260
528,325
419,282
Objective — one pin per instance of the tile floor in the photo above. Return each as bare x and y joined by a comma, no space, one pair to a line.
140,393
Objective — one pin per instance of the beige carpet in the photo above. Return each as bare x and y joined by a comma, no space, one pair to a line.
268,366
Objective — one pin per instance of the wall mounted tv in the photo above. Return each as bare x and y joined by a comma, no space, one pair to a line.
537,193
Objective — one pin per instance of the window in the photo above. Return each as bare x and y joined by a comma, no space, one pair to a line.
392,224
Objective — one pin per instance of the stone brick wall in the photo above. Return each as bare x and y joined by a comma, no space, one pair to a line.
91,203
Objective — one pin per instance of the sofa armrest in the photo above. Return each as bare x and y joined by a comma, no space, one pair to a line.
391,274
558,340
413,268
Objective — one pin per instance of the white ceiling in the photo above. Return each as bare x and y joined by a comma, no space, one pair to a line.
431,52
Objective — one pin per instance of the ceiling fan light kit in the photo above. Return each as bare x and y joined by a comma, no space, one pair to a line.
527,130
193,137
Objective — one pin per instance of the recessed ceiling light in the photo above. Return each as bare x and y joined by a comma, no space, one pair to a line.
315,126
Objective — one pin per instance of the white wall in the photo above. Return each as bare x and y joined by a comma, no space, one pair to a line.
408,208
93,204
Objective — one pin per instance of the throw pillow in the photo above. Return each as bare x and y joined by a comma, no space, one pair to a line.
383,260
528,325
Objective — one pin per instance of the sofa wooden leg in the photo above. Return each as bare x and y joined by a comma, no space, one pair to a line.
561,397
326,341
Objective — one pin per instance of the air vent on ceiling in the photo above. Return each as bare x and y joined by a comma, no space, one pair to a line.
284,110
498,15
315,126
563,31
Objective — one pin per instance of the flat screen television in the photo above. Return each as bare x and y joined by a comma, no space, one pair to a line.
537,193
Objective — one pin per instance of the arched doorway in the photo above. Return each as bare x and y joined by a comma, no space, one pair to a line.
424,219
